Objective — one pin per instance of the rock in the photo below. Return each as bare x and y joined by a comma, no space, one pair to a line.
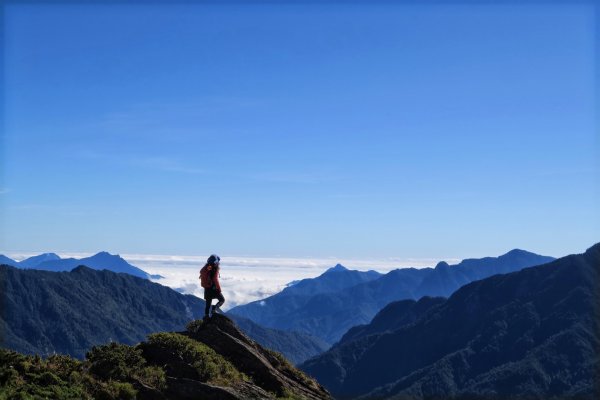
189,389
268,369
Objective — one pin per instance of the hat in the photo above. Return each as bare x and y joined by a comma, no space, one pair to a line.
213,259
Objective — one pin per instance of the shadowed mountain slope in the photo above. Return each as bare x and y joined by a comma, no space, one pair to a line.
7,261
296,347
527,334
392,317
69,312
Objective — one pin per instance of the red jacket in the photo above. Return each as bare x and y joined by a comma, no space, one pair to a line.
214,275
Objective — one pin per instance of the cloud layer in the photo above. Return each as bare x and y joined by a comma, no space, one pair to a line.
246,279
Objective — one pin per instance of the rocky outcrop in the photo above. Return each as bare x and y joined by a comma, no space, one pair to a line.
267,369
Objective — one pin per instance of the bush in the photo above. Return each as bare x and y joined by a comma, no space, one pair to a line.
210,366
27,377
47,379
152,376
115,391
115,361
63,366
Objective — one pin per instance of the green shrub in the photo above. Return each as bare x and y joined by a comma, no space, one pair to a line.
210,366
115,391
115,361
74,378
63,378
63,366
47,378
152,376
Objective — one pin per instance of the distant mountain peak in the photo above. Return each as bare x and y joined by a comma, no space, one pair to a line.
50,255
105,254
338,267
517,252
34,261
442,265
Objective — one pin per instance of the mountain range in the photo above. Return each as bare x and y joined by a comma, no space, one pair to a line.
99,261
45,312
329,305
48,312
530,334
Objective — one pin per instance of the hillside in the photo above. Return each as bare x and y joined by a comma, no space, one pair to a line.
328,314
68,312
527,334
211,361
296,347
392,317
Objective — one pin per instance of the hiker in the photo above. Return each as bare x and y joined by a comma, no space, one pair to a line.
209,279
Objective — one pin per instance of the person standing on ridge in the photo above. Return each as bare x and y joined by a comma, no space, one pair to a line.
209,280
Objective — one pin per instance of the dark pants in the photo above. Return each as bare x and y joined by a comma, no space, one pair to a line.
209,295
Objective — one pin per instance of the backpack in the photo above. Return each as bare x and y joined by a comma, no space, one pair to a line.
205,279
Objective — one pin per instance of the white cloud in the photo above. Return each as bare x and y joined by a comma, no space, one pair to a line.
246,279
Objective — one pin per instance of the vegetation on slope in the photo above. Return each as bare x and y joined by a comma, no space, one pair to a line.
167,365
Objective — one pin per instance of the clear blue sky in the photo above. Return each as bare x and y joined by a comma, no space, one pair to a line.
347,130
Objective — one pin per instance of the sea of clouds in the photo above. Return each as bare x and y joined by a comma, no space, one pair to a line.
246,279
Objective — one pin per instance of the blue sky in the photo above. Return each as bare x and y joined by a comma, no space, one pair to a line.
345,130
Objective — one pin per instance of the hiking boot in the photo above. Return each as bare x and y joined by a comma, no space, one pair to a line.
206,318
216,310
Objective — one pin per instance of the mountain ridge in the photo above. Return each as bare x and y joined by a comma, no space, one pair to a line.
69,312
329,314
529,333
98,261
